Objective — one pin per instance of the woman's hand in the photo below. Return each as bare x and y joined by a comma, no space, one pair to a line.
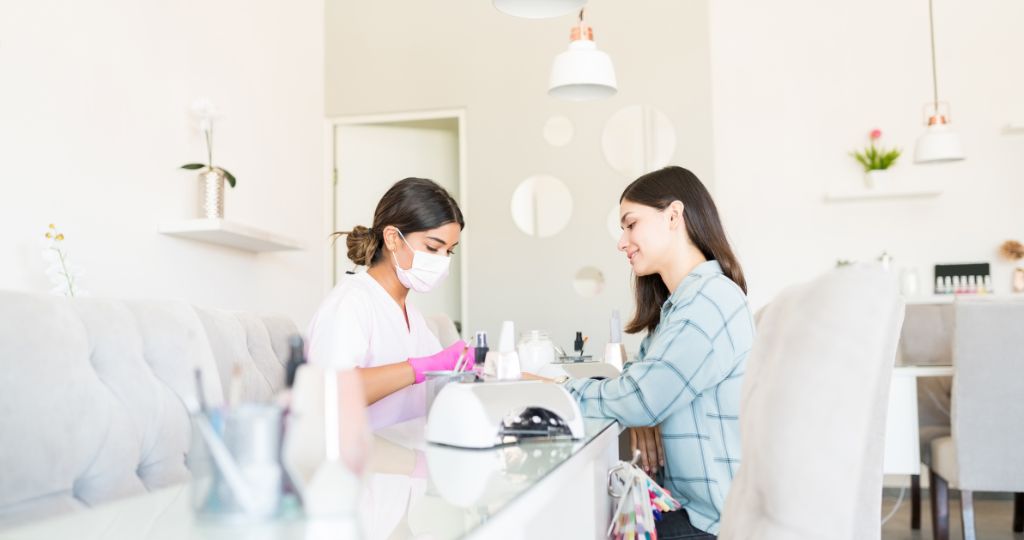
648,441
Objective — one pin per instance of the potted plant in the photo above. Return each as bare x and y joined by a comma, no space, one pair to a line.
1013,250
875,160
212,178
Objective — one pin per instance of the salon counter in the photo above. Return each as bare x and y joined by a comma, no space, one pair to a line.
413,490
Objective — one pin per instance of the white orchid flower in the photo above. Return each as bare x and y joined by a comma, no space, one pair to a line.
204,108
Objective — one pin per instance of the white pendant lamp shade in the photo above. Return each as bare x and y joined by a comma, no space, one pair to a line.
939,143
582,72
538,9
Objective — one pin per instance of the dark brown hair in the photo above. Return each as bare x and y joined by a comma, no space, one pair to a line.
659,189
411,205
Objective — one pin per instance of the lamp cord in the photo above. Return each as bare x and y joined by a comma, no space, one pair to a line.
935,76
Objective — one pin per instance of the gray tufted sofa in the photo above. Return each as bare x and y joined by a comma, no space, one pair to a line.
93,393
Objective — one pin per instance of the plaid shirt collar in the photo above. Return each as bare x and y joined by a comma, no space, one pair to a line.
705,268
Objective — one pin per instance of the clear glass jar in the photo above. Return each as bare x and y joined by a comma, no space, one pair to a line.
536,350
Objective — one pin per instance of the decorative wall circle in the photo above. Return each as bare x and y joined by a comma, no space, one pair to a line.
589,282
541,205
558,131
637,140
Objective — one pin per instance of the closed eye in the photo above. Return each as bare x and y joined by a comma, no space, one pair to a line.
435,250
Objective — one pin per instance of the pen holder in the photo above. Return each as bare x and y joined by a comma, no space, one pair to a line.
235,462
436,380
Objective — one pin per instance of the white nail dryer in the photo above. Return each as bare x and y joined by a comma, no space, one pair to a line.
489,414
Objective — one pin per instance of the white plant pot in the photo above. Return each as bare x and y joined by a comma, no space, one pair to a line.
877,178
211,194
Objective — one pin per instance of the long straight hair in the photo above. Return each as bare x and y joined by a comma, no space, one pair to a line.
658,190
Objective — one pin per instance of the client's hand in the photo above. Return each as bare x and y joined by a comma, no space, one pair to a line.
443,361
648,441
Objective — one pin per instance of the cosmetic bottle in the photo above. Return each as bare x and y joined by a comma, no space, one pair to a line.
508,359
615,351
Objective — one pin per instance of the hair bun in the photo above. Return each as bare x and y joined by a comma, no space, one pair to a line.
362,244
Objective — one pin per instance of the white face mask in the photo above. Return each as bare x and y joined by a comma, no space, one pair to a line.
426,272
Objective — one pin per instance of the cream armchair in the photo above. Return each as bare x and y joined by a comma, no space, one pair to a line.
812,417
986,449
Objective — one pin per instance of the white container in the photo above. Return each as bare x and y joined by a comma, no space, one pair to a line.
536,350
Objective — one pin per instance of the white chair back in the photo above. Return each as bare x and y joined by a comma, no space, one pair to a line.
812,416
988,395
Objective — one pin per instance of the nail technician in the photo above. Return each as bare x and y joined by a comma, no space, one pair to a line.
681,394
366,321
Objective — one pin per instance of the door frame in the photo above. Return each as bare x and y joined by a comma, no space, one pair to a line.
331,184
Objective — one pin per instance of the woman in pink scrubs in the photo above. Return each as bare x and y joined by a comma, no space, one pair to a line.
366,323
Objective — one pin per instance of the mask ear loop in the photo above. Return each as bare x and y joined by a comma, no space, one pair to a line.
394,252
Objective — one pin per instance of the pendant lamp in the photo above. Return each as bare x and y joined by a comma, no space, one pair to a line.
582,72
538,9
939,143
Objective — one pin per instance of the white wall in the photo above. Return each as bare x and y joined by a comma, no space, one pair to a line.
797,84
388,56
93,125
369,158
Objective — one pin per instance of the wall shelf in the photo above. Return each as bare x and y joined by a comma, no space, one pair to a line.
863,193
230,234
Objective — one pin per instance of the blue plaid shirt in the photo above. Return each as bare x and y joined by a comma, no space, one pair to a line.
686,379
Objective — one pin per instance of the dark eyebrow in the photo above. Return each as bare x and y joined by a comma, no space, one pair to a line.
439,241
624,217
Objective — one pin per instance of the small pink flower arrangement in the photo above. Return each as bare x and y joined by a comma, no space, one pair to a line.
874,158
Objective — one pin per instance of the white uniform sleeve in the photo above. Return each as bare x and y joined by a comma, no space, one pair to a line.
340,337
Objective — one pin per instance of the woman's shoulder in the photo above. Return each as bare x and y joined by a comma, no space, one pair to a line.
719,287
714,299
351,292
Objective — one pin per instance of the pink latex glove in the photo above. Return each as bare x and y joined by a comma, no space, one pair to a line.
443,361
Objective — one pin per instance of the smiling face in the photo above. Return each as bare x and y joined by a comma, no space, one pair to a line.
438,241
649,235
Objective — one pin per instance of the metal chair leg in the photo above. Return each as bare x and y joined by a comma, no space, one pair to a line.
967,513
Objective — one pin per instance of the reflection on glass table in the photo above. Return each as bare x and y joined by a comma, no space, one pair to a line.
416,488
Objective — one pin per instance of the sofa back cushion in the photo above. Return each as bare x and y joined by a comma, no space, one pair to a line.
96,393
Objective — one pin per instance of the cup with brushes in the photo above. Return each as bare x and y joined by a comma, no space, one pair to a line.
306,449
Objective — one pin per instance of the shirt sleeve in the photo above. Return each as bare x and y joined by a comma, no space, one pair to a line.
678,364
340,337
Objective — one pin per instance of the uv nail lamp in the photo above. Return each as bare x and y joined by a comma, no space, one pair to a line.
580,370
490,414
